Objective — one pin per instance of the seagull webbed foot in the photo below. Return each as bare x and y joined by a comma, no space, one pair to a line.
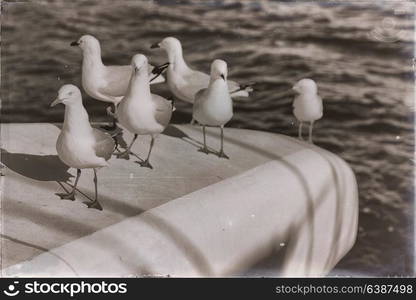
223,155
95,204
66,196
110,112
124,155
109,127
203,150
145,164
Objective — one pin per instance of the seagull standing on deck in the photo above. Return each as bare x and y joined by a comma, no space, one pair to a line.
79,145
141,112
307,105
184,82
104,83
213,105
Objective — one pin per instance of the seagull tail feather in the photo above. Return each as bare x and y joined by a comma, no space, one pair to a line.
244,89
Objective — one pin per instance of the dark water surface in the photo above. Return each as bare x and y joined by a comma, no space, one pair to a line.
360,54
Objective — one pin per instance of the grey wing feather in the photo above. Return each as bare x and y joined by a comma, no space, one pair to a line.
200,93
321,105
197,103
104,144
199,80
164,110
233,87
196,81
198,97
117,80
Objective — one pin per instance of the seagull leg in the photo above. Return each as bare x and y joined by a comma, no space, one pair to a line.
222,154
115,145
204,149
125,154
114,126
95,204
300,131
1,169
118,141
113,115
310,132
71,195
146,163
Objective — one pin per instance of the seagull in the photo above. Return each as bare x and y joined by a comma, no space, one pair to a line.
104,83
79,145
185,82
307,105
213,105
141,112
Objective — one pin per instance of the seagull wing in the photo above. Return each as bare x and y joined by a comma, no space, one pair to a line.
117,80
164,110
232,85
199,98
104,144
297,101
236,90
195,81
321,106
118,77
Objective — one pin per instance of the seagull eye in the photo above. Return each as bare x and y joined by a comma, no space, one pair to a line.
70,93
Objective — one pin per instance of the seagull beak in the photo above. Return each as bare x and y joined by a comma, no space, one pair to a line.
222,76
155,45
74,43
56,101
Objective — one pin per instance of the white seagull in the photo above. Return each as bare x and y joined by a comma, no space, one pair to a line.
184,82
79,145
141,112
307,105
213,105
101,82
